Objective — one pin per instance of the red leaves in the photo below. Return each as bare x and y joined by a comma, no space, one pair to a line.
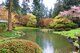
45,22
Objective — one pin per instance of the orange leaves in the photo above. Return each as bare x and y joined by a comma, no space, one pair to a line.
3,13
45,22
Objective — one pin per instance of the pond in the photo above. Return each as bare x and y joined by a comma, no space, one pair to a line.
49,42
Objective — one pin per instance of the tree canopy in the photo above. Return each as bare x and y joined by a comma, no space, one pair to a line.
15,6
62,5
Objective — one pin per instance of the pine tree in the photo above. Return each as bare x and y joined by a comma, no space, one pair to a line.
15,6
38,9
25,7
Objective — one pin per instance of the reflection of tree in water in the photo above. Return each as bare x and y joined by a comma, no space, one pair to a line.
44,42
48,46
39,37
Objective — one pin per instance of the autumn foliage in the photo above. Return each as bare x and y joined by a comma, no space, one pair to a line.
62,24
26,20
65,20
72,14
45,22
3,13
19,46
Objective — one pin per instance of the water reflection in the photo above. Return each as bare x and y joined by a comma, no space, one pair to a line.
49,42
47,47
44,41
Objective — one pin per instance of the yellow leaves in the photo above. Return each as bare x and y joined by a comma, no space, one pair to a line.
61,19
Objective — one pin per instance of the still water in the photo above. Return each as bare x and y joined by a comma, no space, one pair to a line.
49,42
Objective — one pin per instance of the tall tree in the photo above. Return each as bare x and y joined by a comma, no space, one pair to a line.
57,8
62,5
9,16
12,6
68,3
25,7
15,6
50,13
38,9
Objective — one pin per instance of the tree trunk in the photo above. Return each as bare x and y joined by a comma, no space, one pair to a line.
9,16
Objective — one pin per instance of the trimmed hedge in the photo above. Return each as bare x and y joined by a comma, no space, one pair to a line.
18,46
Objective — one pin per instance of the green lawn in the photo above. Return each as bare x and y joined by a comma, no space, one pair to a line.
20,28
72,33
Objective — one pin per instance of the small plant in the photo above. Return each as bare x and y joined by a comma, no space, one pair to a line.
3,50
3,26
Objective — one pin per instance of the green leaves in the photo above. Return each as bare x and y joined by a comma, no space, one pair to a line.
15,6
62,5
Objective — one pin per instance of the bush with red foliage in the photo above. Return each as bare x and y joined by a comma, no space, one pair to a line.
45,22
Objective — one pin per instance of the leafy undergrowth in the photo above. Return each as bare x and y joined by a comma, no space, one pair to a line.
72,33
18,46
14,33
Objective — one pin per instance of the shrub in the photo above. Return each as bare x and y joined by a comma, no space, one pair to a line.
62,24
23,20
3,14
26,20
3,26
45,22
31,20
73,14
19,46
76,20
15,18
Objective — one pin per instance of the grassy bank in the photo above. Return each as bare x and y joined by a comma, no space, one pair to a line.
71,33
13,33
17,32
20,28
